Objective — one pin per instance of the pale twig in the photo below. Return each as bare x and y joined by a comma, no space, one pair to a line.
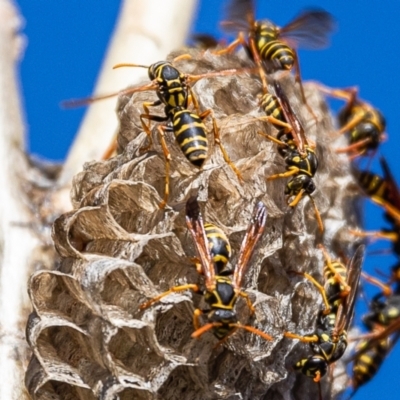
146,31
16,243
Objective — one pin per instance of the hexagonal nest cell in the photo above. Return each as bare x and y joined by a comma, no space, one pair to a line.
118,249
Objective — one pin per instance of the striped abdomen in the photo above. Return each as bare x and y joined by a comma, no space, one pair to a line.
278,53
367,364
190,134
373,185
220,248
272,108
335,289
270,48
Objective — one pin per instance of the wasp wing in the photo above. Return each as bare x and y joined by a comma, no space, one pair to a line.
375,340
74,103
204,41
309,30
393,189
253,234
240,16
345,311
298,130
194,222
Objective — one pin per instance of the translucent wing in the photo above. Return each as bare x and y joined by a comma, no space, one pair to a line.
73,103
346,309
194,222
253,234
298,131
393,190
239,16
204,41
309,30
394,327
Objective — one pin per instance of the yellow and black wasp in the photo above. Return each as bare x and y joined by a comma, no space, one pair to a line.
383,325
335,288
300,158
220,249
174,92
364,124
368,360
271,47
384,192
329,340
221,292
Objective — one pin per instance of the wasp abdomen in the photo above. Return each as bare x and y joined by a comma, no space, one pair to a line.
190,133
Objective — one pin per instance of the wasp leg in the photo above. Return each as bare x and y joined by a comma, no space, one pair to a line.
196,334
317,213
248,301
196,318
197,263
252,330
348,94
193,99
274,121
304,339
161,130
392,236
217,139
257,60
298,80
111,149
272,139
174,289
352,123
185,56
386,289
297,198
149,117
320,288
292,171
240,40
354,147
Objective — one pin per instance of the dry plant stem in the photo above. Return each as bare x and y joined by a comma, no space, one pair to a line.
146,31
16,243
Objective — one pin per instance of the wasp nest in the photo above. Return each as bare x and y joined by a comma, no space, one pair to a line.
118,249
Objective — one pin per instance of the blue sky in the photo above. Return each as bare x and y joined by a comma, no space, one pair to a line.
66,42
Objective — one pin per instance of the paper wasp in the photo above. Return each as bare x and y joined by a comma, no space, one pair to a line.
335,288
368,361
329,340
364,124
384,192
221,292
273,48
383,325
300,158
174,92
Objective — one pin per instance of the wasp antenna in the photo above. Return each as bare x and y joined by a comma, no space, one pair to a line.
129,65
